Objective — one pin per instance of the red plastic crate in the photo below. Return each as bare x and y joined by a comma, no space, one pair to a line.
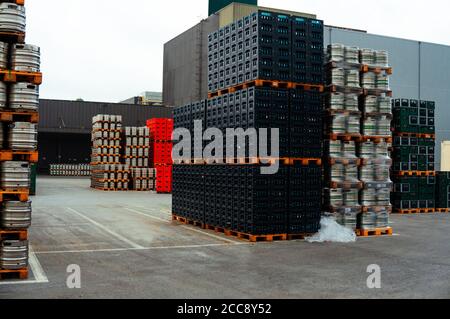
164,178
161,153
161,129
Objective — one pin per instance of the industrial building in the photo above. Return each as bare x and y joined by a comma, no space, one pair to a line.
421,69
65,128
350,203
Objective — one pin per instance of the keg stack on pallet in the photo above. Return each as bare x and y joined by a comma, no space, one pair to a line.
414,156
19,100
265,71
358,139
136,152
161,152
66,170
108,173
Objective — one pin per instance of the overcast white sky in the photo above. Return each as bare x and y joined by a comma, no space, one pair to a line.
109,50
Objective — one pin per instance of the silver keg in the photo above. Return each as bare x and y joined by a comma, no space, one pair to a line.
367,56
12,17
368,80
353,124
352,55
13,254
368,220
15,215
367,172
337,173
336,52
371,103
352,78
369,197
24,96
382,81
26,57
338,77
338,124
381,58
3,55
351,102
349,149
351,197
370,126
351,173
384,126
336,101
15,175
382,220
334,197
383,197
333,148
23,136
367,150
347,218
2,95
385,105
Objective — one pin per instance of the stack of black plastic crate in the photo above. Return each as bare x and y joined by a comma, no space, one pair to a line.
265,71
414,156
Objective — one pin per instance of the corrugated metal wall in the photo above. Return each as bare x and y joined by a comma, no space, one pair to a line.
421,71
59,116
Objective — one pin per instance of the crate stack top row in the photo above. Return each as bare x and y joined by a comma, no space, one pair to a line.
20,78
358,137
264,72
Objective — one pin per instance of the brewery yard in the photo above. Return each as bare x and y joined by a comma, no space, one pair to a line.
127,247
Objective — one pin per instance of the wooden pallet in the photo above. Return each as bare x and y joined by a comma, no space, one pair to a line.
268,84
21,76
342,112
377,209
388,231
377,92
27,156
18,2
12,37
418,135
377,139
344,137
21,195
13,234
442,210
21,274
415,211
346,185
376,69
304,161
344,161
106,130
240,235
19,116
416,173
344,89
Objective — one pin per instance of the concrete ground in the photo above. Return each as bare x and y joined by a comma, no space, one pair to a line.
127,247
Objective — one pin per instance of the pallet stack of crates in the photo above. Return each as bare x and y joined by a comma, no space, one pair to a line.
108,173
442,192
414,156
161,152
358,139
136,152
265,71
20,78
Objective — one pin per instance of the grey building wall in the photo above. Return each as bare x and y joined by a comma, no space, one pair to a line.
421,71
185,75
59,116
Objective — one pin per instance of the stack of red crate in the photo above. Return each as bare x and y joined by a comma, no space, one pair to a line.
161,152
